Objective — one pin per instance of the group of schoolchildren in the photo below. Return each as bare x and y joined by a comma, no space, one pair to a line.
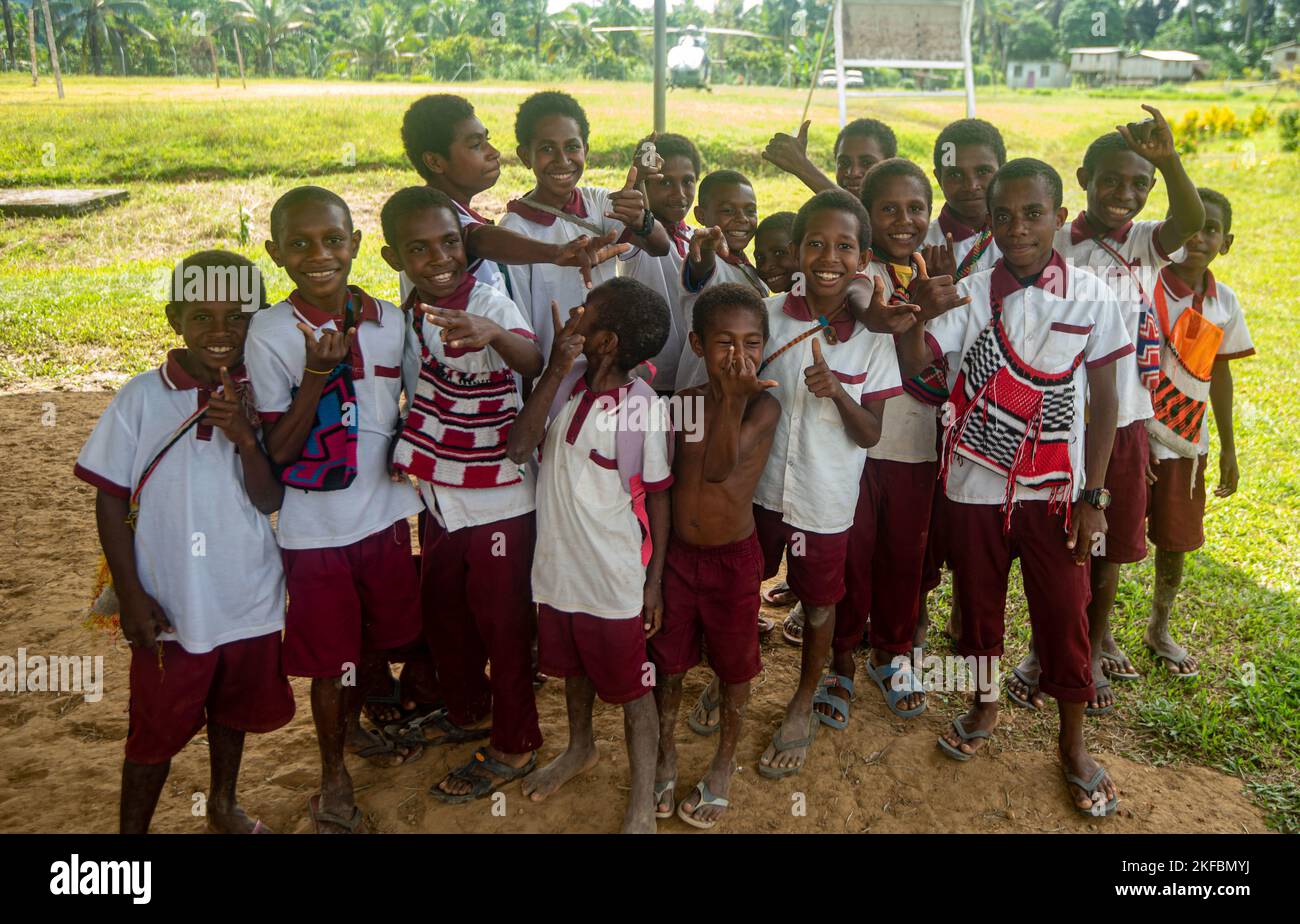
882,393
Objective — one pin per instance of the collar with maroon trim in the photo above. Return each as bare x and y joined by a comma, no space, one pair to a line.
575,207
1081,230
318,317
1181,290
586,399
470,213
176,378
1054,278
797,307
735,259
949,223
457,300
678,235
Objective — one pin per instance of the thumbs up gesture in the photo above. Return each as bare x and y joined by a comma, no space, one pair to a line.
628,204
818,377
934,295
789,152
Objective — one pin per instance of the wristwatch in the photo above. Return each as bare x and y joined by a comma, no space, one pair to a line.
1098,497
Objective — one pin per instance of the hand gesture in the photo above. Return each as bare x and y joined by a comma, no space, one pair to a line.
226,413
818,377
567,345
940,258
652,601
648,163
1087,525
1151,138
866,301
462,330
586,251
739,377
326,348
708,241
935,295
790,153
142,618
1228,474
628,204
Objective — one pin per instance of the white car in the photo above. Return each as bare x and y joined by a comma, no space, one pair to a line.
852,77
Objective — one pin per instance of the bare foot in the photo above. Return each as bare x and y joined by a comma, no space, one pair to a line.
640,816
233,820
575,759
981,717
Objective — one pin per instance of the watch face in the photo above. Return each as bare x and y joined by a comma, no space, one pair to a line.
1100,498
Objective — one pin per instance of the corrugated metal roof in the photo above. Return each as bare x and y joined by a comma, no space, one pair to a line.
1096,50
1170,55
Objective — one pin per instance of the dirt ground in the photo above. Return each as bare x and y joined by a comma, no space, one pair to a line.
60,757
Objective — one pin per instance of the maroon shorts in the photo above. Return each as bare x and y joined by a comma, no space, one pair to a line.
711,592
886,556
1176,508
1126,479
349,599
611,653
814,564
239,685
1057,589
936,550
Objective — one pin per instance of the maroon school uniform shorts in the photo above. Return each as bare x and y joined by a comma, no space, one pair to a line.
1126,479
711,592
239,685
611,653
349,599
814,563
1176,508
1057,589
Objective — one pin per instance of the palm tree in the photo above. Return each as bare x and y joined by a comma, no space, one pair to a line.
9,32
373,41
100,24
225,18
272,22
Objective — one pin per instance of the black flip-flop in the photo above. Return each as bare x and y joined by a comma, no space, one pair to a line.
412,733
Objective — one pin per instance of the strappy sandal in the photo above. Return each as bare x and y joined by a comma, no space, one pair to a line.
839,704
352,825
896,693
412,734
479,773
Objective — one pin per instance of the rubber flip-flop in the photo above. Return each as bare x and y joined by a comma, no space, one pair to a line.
777,773
660,790
1100,710
1176,662
706,705
1090,787
792,628
839,704
353,825
1033,687
779,595
894,694
1123,677
956,753
707,798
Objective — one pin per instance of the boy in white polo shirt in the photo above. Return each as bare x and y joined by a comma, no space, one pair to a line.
326,364
670,194
833,378
552,132
728,215
1037,338
1119,171
174,457
603,521
1194,370
469,342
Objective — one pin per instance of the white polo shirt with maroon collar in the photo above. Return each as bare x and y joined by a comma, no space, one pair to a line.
588,553
456,507
202,550
1065,312
533,285
964,238
1138,242
662,274
733,268
276,356
812,473
1218,305
485,271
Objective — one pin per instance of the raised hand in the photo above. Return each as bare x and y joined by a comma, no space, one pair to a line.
1151,138
462,330
739,377
567,345
934,295
628,204
818,377
648,163
866,302
940,258
789,152
708,241
586,251
226,413
326,348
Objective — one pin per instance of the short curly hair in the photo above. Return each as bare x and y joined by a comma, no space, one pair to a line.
717,298
888,169
637,315
429,125
547,103
836,200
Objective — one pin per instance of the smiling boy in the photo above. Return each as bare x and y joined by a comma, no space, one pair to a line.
859,146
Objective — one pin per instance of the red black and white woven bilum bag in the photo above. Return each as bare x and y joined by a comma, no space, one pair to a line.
456,429
1012,419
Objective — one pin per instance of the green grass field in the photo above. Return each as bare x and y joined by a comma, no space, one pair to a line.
79,306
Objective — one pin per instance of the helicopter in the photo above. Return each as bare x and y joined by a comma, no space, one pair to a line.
688,60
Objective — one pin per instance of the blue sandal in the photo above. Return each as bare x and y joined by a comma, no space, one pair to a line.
895,693
956,753
837,703
1092,789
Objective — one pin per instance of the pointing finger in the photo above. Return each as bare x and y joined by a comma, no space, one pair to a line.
631,179
920,266
803,132
556,323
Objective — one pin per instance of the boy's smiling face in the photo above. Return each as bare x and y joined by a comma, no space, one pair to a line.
857,155
733,207
1210,242
672,194
430,250
472,164
214,336
830,255
731,333
557,155
1117,189
965,182
775,258
316,244
900,217
1025,223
